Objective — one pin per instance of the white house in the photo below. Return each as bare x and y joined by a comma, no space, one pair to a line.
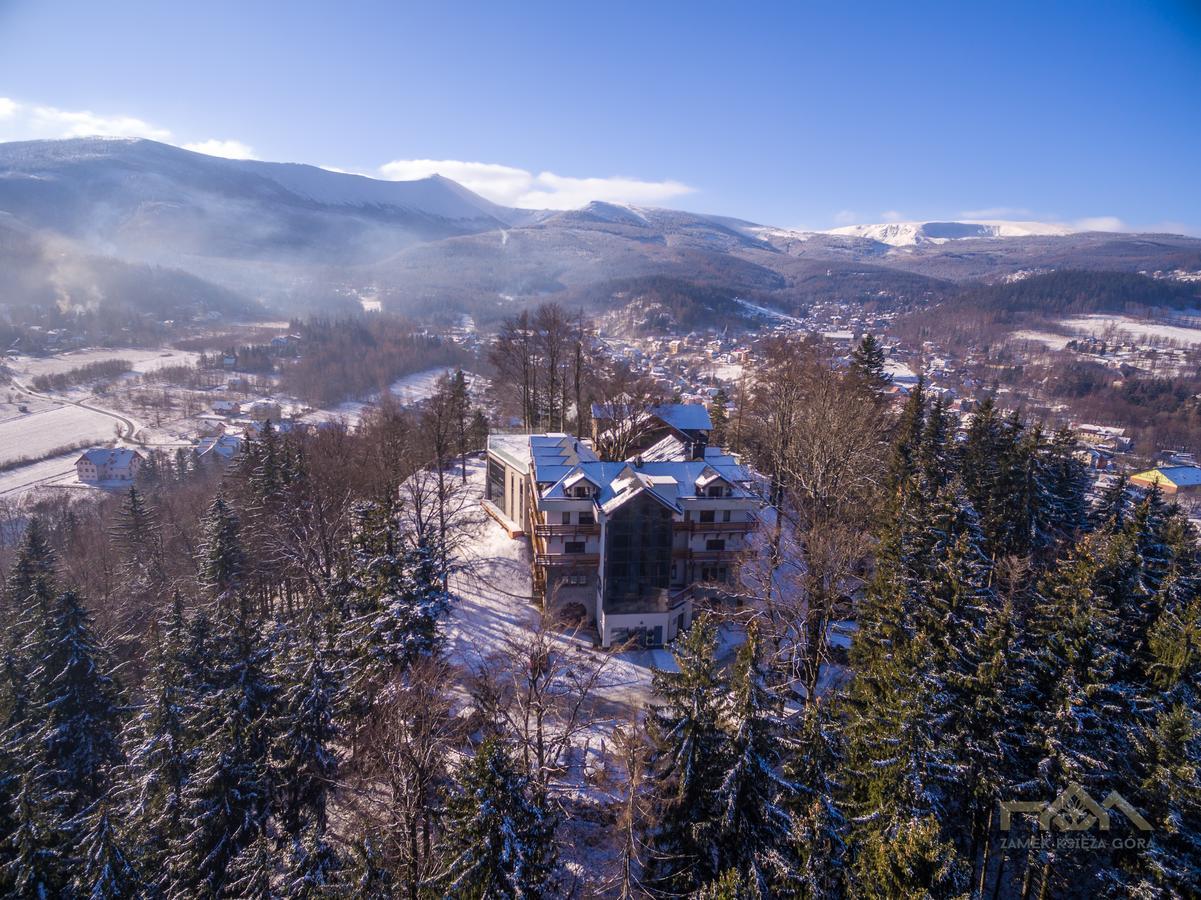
101,464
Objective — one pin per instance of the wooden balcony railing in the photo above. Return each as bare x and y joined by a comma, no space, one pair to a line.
559,530
715,526
566,559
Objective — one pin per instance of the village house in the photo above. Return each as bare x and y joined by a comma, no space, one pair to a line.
104,464
625,545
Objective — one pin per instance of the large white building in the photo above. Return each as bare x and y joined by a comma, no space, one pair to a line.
625,544
103,464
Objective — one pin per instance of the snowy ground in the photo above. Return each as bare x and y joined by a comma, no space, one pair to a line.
142,360
408,390
1136,329
37,433
58,471
1110,327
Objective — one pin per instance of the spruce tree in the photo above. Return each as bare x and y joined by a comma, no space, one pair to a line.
753,836
103,870
819,826
222,561
689,761
162,748
75,744
499,833
226,802
306,761
867,363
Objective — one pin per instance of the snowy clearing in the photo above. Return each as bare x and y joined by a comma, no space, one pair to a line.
143,360
58,471
1130,328
38,433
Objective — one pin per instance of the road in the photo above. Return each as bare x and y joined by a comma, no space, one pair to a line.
131,428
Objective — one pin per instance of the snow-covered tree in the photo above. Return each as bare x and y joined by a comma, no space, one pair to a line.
689,761
753,836
222,561
305,754
499,833
103,869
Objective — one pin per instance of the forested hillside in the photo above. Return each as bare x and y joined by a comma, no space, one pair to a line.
235,683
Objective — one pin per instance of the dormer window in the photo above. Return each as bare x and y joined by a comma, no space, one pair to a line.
715,490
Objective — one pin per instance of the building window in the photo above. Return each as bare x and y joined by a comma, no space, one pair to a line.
566,518
725,515
573,547
706,516
575,579
715,544
716,490
715,573
586,518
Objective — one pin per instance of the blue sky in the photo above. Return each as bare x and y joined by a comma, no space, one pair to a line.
795,114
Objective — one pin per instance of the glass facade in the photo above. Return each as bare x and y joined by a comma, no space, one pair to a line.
637,555
496,483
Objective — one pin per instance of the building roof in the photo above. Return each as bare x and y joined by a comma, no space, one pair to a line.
119,457
1177,476
684,416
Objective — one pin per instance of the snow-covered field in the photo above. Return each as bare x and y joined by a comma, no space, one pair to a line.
1136,329
1047,338
58,471
27,367
38,433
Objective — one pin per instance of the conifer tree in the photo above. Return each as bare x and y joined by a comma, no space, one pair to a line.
689,761
75,744
306,761
226,802
30,584
104,871
499,834
820,828
35,869
867,362
162,748
754,833
222,563
720,417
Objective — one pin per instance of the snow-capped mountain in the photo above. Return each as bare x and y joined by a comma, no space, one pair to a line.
908,234
156,202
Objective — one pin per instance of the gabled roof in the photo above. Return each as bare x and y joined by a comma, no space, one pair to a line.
104,456
683,416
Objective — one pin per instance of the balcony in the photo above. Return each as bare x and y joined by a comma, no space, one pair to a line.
565,530
715,526
707,555
567,559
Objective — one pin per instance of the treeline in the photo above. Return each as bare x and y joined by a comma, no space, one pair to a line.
246,639
355,357
60,381
983,314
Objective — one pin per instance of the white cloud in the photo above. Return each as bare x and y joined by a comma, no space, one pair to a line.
49,121
998,212
512,186
228,149
27,122
1100,223
892,215
846,217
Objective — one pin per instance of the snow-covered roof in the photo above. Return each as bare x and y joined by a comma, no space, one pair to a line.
104,456
684,416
